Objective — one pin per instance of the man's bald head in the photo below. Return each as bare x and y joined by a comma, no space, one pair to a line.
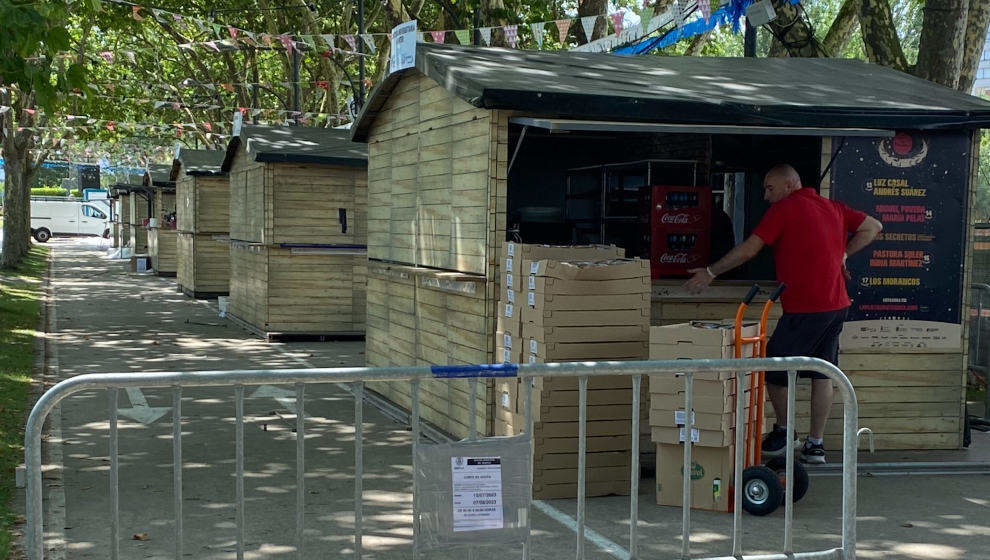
780,182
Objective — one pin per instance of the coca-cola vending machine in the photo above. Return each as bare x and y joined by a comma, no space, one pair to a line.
680,229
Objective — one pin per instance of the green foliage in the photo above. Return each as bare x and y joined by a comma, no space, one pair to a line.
19,308
981,208
49,191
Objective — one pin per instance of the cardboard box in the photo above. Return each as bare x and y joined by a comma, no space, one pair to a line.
592,460
703,438
587,303
591,474
617,397
663,401
700,389
556,318
594,383
514,282
561,352
702,420
514,253
587,269
591,489
619,333
711,476
544,285
716,334
509,319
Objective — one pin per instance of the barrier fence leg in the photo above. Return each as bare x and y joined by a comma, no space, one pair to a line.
358,468
637,381
738,465
415,448
528,410
582,447
789,466
114,479
177,467
686,469
300,468
239,454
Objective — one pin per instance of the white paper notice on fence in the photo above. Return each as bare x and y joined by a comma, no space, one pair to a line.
477,483
403,47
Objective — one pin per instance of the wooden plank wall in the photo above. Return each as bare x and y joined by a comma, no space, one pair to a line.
247,198
311,292
428,179
431,205
419,316
306,201
162,248
203,203
248,282
203,263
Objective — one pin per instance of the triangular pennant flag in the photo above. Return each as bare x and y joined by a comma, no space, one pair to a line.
216,29
463,36
486,35
351,41
176,105
160,104
130,56
678,15
200,24
706,9
389,37
232,31
228,87
287,43
212,45
310,41
369,40
107,56
328,39
563,26
255,112
134,13
646,4
538,32
438,36
511,34
617,21
177,17
588,23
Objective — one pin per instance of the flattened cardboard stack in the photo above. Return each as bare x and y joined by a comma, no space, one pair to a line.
713,402
579,311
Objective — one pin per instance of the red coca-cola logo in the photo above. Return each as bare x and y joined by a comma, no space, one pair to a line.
682,218
678,258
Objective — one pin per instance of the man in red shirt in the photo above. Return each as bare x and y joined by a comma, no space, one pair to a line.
811,237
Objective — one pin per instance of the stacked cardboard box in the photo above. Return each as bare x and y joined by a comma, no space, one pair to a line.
713,403
580,311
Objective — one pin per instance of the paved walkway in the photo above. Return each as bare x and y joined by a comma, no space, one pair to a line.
109,320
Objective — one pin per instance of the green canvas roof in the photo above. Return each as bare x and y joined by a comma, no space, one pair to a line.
300,144
198,162
793,92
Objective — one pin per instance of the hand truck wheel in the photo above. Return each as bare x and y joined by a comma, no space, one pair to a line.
762,493
779,466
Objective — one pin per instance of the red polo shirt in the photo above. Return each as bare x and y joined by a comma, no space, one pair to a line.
808,234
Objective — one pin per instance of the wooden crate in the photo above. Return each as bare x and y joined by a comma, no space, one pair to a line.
203,204
203,267
278,291
162,249
420,316
297,203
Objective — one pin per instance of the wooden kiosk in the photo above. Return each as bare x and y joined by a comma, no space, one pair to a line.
203,208
475,146
161,230
298,198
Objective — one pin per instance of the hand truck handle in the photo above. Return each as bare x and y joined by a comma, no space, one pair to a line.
776,293
752,294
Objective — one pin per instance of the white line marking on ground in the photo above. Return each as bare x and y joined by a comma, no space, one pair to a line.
55,545
140,411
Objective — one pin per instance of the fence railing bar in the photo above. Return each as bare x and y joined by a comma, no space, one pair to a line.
239,459
114,479
686,467
177,467
637,384
358,468
300,467
473,407
582,461
740,377
789,465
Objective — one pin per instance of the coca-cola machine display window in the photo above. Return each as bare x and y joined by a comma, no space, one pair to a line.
680,229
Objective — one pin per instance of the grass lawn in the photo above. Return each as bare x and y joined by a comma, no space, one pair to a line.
19,308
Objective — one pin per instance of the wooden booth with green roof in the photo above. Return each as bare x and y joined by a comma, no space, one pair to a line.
473,146
161,225
298,202
203,222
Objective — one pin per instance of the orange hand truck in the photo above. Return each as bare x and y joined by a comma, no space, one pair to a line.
763,484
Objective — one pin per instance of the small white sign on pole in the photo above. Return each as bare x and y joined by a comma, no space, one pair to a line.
403,47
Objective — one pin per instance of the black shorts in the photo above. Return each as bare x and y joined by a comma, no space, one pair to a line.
815,335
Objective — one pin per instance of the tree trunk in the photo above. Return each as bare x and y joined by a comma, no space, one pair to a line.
976,32
940,49
591,8
698,44
880,36
16,206
777,49
842,28
792,30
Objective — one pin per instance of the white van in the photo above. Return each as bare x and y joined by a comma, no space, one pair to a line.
59,216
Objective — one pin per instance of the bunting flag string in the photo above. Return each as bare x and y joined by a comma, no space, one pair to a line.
617,21
537,29
511,34
563,26
588,23
486,35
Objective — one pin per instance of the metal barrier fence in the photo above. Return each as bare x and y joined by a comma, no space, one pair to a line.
357,376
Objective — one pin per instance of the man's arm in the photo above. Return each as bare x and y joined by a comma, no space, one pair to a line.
737,256
865,234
